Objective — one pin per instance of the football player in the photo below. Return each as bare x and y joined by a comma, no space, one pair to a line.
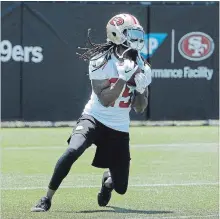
119,78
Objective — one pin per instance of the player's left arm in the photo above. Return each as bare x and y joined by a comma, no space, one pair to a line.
140,101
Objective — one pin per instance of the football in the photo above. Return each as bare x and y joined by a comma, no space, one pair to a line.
131,81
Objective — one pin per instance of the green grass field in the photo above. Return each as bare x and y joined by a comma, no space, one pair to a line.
174,175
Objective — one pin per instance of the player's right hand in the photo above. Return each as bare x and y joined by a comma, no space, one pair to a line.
126,69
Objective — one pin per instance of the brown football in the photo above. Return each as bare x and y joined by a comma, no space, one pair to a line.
131,81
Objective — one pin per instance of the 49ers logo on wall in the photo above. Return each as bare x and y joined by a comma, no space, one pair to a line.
196,46
118,20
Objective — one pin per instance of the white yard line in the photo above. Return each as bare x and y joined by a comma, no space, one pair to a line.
185,217
134,185
35,148
177,145
132,146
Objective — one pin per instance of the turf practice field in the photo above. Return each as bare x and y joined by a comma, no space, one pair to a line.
174,175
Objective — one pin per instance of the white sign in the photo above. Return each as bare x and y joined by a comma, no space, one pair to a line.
185,72
19,53
196,46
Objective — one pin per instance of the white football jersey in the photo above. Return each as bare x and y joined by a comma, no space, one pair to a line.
115,116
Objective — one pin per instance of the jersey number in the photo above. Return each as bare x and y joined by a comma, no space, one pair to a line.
125,94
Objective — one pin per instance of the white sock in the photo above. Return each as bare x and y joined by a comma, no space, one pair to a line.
108,182
50,193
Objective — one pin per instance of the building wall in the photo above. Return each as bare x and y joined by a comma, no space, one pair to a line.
43,78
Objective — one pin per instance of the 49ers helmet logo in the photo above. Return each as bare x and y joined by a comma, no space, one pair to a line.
196,46
117,20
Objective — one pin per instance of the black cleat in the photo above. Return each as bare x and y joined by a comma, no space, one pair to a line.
43,205
105,193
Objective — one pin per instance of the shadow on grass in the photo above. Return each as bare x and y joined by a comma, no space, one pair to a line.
121,210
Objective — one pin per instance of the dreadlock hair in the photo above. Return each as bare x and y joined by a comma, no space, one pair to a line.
104,49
